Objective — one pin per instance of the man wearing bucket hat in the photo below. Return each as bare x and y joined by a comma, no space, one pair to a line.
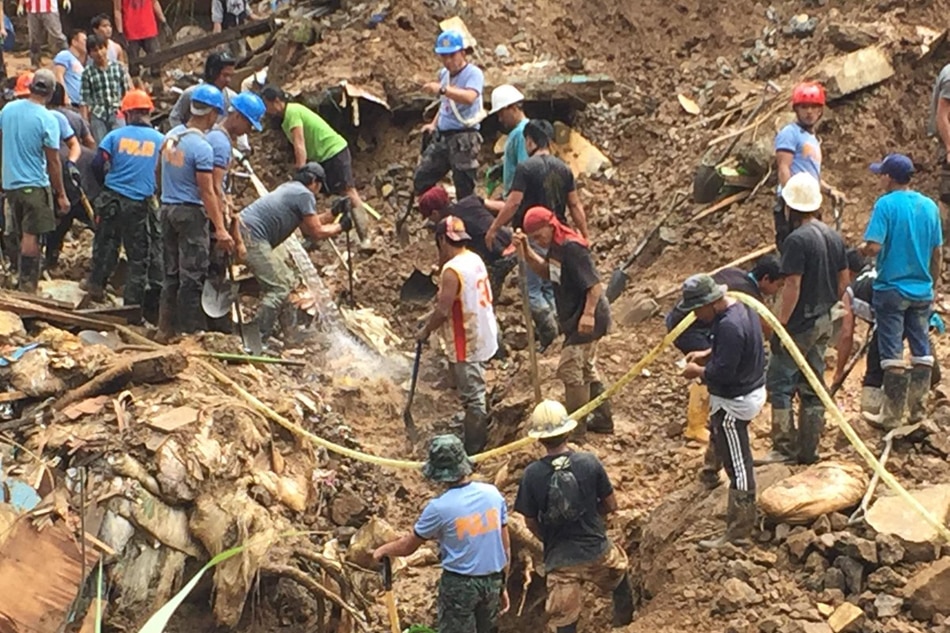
815,266
470,523
125,210
506,102
465,313
455,138
564,497
734,371
905,235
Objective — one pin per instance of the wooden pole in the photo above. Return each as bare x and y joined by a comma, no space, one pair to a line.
765,250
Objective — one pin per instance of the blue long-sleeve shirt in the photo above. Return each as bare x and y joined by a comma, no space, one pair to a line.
737,364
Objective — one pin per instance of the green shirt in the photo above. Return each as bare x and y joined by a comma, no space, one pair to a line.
321,141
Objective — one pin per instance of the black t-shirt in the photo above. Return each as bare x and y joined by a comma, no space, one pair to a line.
544,181
573,273
736,280
471,210
817,253
582,541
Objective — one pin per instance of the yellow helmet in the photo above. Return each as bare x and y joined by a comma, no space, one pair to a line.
550,419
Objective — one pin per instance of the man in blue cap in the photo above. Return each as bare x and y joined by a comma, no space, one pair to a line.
906,236
470,522
455,138
188,202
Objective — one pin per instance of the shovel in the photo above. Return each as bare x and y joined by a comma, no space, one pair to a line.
407,412
418,288
402,227
388,597
217,297
619,278
837,208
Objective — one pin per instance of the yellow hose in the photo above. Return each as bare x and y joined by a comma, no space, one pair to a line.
838,417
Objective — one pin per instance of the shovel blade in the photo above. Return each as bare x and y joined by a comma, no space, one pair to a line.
418,288
707,182
217,297
616,285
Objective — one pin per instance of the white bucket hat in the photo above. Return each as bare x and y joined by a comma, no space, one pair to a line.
802,193
504,96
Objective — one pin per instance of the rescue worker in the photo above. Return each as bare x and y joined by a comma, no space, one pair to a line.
465,313
939,127
816,275
267,222
455,139
798,150
905,235
564,498
218,72
68,65
188,202
507,102
582,309
470,523
543,180
127,162
314,140
30,137
733,370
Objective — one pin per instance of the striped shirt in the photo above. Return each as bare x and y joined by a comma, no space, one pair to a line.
103,89
41,6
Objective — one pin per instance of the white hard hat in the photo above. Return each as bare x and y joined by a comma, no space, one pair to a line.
550,419
802,193
504,96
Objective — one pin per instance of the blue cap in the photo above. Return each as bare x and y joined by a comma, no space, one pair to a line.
449,42
897,166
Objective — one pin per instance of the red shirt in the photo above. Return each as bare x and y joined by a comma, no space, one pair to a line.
41,6
138,20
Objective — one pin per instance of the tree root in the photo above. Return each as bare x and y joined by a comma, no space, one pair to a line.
308,583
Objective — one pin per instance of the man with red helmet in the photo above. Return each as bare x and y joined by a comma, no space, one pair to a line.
798,150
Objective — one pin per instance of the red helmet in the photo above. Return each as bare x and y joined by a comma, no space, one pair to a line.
808,93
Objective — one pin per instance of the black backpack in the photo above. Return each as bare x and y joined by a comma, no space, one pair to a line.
565,503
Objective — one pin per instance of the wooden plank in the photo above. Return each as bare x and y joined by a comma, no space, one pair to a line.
44,571
12,396
208,42
117,314
30,308
765,250
722,204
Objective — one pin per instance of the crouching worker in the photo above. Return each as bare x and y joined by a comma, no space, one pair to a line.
464,309
470,522
267,222
564,498
734,371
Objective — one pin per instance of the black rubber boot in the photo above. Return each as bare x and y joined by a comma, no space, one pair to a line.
601,420
151,305
29,274
918,390
475,432
740,519
623,602
570,628
783,437
810,428
895,398
266,319
166,321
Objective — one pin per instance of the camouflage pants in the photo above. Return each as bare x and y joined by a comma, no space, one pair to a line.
272,273
131,224
187,248
565,585
469,604
455,151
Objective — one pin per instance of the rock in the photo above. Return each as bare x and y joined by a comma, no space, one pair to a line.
853,573
501,52
855,547
889,515
928,591
782,531
815,627
10,325
838,521
770,625
736,595
347,508
855,71
887,606
799,543
32,375
885,579
801,26
849,38
822,525
825,609
816,562
920,552
636,309
834,579
889,549
846,619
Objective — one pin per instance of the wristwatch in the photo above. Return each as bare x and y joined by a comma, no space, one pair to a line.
443,90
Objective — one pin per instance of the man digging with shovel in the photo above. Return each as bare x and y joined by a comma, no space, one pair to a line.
267,222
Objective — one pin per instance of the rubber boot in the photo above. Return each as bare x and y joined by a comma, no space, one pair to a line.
475,432
29,274
872,400
575,397
697,413
361,224
601,420
810,428
93,291
918,390
166,322
740,519
570,628
151,305
783,430
266,319
709,475
623,602
287,319
895,398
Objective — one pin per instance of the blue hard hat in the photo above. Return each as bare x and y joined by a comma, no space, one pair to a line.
210,96
449,42
251,106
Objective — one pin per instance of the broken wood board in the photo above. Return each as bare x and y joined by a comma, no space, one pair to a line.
43,570
63,291
855,71
575,150
722,204
542,81
208,42
171,421
765,250
455,23
32,308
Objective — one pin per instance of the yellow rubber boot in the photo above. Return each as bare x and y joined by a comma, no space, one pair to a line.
697,413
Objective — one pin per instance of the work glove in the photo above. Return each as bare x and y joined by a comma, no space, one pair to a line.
67,5
342,207
19,8
72,172
346,223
